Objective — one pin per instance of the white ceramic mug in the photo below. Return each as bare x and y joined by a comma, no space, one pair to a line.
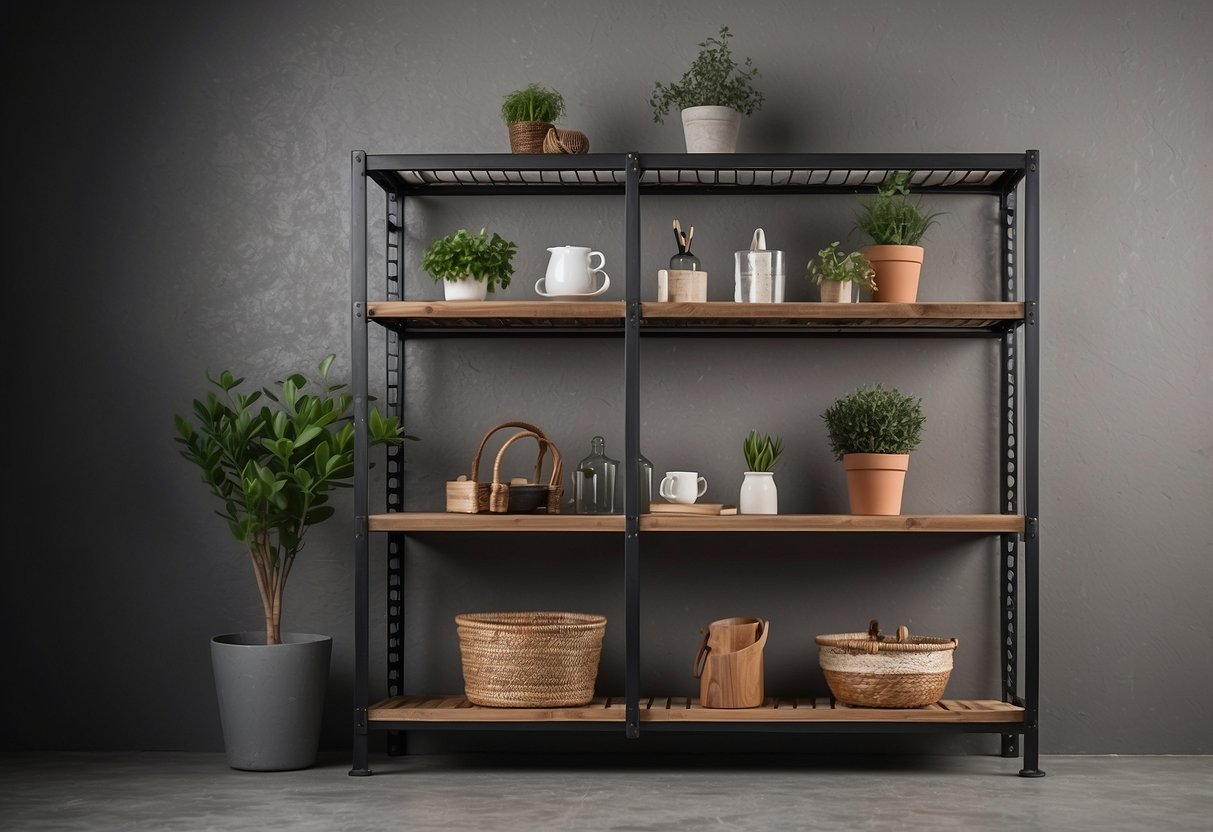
570,272
682,487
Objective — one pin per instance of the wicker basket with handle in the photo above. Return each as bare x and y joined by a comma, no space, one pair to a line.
879,671
530,659
467,495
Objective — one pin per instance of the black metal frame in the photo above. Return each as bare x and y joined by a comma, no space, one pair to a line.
631,175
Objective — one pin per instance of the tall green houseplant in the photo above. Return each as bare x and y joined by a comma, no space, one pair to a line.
272,457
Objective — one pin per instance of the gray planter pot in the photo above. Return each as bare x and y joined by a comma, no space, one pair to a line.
271,698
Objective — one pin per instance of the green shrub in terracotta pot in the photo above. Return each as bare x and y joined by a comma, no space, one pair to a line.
873,431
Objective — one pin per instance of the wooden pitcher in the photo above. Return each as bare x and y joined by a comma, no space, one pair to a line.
728,664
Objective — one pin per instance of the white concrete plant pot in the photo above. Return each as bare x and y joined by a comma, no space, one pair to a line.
466,289
711,129
758,493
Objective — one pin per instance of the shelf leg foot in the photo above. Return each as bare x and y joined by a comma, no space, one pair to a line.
1031,753
361,772
1031,772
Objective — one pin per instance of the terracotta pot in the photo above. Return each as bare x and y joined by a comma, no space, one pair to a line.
897,269
875,482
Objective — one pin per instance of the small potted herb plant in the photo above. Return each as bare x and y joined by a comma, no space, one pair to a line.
896,225
713,95
528,114
470,265
873,431
836,273
758,492
272,457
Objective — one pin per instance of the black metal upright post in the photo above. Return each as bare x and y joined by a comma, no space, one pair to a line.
393,221
1008,418
631,434
1030,474
358,370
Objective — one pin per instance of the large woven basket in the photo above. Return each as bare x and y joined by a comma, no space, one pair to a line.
530,659
879,671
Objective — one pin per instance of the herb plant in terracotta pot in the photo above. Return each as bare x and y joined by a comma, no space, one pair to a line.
873,431
713,95
528,114
469,266
272,457
840,275
896,225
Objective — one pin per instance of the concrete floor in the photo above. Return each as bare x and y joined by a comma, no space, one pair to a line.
178,791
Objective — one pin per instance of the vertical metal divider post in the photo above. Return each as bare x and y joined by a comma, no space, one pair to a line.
393,221
1008,417
1030,471
631,433
358,372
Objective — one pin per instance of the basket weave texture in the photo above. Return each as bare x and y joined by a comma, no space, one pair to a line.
878,671
530,659
572,142
528,136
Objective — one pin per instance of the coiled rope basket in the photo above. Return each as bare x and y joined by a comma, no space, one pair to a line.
530,659
878,671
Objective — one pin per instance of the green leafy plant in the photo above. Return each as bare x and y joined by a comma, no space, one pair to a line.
714,79
761,452
892,218
832,264
534,103
874,420
273,466
461,255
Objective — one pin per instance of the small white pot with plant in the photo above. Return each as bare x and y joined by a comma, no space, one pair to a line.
713,95
758,492
470,266
896,225
840,275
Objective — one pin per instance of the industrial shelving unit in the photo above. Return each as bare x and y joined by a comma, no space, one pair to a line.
1013,319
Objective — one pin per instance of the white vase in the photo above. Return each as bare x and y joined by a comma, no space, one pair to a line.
758,494
466,289
711,129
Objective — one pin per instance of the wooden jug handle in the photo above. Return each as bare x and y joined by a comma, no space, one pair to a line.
701,656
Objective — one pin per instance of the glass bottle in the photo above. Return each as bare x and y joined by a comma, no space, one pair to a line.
594,481
646,485
685,260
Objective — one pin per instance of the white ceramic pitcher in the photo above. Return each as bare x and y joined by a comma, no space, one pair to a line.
570,273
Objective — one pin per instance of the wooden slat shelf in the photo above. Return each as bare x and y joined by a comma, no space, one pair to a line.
439,521
683,709
508,314
814,315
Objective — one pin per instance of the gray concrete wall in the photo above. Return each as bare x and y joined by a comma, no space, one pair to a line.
177,199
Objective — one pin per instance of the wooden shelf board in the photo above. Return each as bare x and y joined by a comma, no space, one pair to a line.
508,314
812,315
684,709
440,521
963,523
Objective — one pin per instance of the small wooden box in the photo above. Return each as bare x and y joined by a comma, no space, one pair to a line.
681,286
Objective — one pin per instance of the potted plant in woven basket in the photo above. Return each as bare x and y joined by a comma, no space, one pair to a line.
272,457
839,274
528,114
873,431
713,95
469,266
896,225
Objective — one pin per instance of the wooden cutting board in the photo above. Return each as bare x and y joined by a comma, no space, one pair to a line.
694,508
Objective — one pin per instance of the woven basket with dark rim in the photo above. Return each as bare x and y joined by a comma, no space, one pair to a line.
528,136
878,671
530,659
